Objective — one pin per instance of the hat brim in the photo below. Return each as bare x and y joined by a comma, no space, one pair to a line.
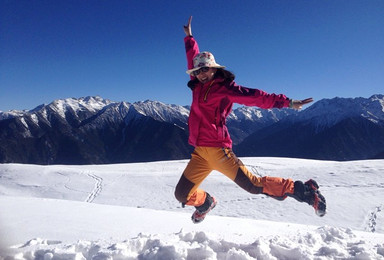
189,72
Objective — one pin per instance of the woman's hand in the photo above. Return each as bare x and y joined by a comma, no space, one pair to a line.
187,28
298,104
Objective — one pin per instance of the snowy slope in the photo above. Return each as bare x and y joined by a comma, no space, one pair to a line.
128,210
62,229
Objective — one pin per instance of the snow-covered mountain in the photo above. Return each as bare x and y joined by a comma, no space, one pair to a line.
97,130
61,107
244,121
85,108
328,112
93,130
335,129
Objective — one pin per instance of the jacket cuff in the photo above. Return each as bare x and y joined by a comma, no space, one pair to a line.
187,37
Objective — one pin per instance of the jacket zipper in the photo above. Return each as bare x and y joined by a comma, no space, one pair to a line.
209,88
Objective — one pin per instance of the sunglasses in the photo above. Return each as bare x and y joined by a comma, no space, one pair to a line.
203,69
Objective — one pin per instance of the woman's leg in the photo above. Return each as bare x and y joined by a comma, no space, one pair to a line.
275,187
187,189
225,161
232,167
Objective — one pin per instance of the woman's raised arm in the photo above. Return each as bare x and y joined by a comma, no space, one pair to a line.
188,28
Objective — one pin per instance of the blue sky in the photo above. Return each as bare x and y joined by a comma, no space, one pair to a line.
133,50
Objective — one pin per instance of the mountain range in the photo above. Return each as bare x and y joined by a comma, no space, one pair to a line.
93,130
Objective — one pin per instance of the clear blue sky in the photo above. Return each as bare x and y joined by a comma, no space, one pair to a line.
133,50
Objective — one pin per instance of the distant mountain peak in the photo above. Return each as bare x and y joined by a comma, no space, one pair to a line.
92,103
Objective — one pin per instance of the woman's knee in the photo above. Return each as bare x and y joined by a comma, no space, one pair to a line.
248,182
183,188
180,195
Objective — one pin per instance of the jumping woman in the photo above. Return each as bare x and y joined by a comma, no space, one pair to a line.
214,91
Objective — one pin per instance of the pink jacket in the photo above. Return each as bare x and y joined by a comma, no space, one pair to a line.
212,102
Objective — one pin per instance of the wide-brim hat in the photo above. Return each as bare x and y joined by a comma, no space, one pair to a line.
204,59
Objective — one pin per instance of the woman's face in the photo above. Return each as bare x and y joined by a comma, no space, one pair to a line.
205,76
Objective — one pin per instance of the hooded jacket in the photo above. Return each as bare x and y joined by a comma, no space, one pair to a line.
212,102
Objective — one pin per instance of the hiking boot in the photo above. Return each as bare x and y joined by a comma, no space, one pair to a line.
201,211
309,192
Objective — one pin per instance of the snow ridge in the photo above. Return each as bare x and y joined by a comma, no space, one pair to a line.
326,242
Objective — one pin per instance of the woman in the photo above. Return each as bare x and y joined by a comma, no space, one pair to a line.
214,92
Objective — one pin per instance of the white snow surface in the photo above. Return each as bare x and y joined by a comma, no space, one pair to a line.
128,211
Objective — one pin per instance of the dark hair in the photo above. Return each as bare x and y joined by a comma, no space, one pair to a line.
225,74
220,73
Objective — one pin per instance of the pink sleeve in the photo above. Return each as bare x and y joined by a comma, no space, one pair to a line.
255,97
191,49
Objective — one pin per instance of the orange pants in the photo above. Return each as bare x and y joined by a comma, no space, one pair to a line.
206,159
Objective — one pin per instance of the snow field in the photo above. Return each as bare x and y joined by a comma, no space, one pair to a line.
115,232
128,211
